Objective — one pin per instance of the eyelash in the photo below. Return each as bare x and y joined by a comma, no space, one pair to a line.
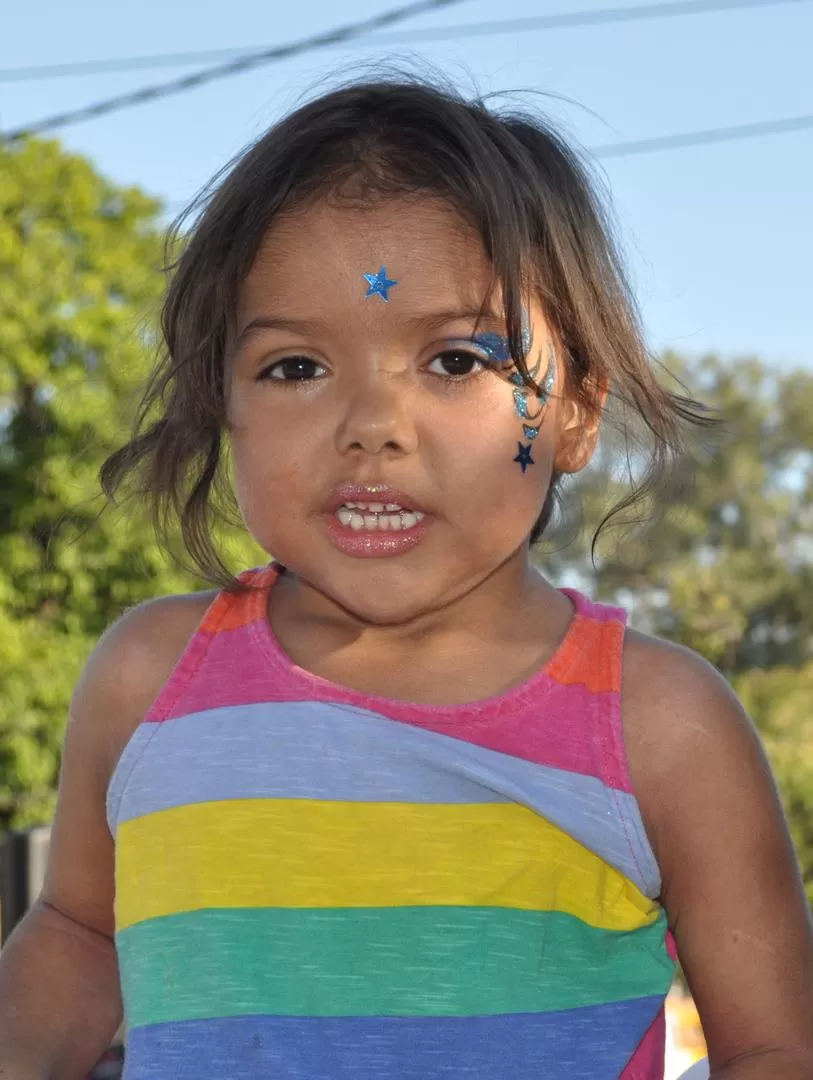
265,374
461,351
479,366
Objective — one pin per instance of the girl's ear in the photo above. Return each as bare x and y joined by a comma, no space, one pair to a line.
578,423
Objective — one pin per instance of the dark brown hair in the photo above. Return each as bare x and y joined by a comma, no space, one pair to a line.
508,174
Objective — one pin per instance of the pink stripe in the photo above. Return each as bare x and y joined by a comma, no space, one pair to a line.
648,1061
182,677
671,945
541,721
591,610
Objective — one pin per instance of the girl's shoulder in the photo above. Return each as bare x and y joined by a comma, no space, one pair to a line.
697,766
677,708
124,673
730,882
129,666
695,757
672,694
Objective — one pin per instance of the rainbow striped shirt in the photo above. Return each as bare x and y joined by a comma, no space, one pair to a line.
316,884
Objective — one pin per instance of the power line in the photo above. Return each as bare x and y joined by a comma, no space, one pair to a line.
438,33
355,30
704,138
234,67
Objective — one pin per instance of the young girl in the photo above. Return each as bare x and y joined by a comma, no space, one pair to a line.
394,807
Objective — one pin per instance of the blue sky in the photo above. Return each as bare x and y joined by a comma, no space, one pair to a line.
719,238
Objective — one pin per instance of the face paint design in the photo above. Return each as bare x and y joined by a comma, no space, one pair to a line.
532,421
498,350
523,458
380,284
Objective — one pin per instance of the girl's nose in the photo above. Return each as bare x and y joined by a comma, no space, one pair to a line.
378,418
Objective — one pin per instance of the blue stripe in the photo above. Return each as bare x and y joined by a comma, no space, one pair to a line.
319,750
580,1044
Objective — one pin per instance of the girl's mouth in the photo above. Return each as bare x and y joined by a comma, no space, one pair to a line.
381,517
375,521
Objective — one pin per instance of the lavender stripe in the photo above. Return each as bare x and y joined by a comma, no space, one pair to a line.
320,750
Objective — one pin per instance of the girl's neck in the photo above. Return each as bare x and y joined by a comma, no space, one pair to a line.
493,637
496,605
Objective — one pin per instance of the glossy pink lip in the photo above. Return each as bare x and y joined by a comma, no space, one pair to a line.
372,543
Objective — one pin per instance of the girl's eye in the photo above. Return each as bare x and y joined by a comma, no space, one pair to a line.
294,369
456,364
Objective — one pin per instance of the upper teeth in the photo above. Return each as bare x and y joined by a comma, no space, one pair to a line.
375,508
377,516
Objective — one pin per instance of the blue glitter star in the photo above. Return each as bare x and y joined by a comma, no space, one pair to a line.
523,458
380,284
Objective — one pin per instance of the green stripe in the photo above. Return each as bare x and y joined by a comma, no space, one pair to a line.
421,961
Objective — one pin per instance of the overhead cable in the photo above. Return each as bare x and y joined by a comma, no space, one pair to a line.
233,67
737,132
563,21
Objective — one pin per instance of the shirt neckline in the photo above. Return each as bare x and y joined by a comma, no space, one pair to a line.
540,682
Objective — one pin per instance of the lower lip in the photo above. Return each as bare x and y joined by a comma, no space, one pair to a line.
374,543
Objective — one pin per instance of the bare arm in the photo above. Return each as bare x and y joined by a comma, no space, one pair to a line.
59,996
731,885
60,1002
776,1064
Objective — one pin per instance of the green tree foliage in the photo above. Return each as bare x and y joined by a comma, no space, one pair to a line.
779,701
730,572
80,285
79,279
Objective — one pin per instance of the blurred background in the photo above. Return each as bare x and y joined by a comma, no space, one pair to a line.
699,117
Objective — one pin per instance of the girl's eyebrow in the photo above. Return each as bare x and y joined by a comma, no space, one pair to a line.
440,318
277,322
312,327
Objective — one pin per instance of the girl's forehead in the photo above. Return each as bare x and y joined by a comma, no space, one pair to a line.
322,256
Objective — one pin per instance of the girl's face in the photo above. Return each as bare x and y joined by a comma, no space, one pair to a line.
373,447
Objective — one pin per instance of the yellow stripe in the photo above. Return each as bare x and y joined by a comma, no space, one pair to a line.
297,853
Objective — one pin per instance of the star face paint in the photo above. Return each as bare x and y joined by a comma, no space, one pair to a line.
523,458
380,284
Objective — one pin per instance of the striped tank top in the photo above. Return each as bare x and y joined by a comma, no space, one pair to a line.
317,884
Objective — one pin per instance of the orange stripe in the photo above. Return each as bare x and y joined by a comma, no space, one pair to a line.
591,656
229,611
